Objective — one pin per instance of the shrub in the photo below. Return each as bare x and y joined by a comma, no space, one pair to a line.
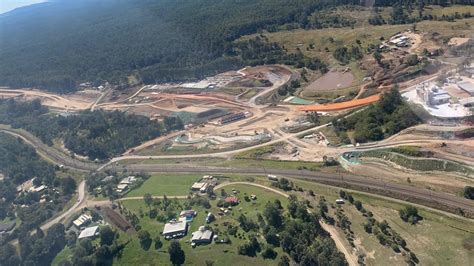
469,192
410,214
269,253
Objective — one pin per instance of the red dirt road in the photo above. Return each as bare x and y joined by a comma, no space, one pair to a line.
341,106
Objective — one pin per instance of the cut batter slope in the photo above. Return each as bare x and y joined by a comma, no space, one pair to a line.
341,106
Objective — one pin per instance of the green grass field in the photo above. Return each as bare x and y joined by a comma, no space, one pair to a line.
170,185
436,240
221,254
62,256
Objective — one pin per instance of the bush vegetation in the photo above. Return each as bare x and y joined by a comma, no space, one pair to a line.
154,41
96,134
385,118
19,162
410,214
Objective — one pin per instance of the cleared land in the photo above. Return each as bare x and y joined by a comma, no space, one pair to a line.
331,81
438,239
221,254
341,106
169,185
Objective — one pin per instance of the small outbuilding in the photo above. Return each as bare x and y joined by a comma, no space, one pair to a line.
233,200
202,236
272,177
121,188
83,220
197,186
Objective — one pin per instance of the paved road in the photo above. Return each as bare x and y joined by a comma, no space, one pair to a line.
358,182
81,197
81,192
48,152
215,154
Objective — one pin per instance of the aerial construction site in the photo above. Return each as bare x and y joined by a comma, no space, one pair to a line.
249,112
246,132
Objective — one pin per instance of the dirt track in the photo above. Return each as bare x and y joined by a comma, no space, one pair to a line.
341,106
338,240
49,99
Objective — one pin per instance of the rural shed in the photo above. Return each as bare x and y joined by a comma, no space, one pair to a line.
89,232
175,228
82,220
202,236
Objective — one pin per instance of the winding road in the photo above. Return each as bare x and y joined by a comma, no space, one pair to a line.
400,191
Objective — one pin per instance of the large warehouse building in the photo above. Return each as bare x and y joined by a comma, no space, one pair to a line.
467,87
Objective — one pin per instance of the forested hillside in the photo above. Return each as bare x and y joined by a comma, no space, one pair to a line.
98,134
56,45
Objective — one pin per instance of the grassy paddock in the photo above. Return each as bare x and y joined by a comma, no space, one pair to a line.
221,254
170,185
437,240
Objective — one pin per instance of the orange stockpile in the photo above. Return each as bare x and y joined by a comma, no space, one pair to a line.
341,106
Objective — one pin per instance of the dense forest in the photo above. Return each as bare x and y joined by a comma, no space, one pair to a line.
58,44
20,162
97,134
379,120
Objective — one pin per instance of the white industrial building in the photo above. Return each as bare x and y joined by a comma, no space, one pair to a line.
432,95
467,86
436,101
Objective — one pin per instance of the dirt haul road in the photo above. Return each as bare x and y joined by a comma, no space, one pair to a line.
424,196
341,106
49,99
